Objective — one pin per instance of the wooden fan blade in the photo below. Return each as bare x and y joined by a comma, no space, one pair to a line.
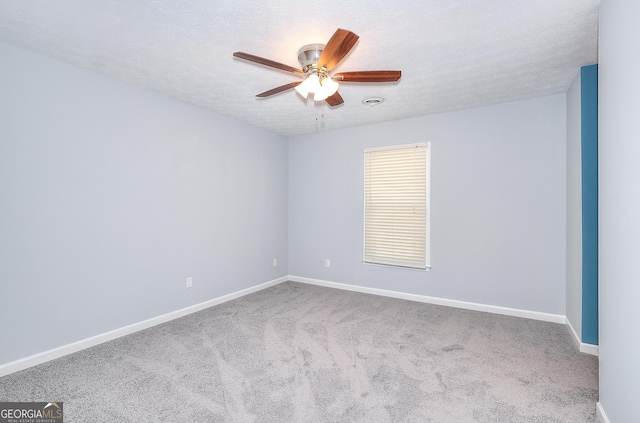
335,99
279,89
337,48
266,62
368,76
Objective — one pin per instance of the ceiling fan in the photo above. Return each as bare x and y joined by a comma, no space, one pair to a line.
317,61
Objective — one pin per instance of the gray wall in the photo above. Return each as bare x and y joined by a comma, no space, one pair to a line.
574,206
110,196
619,208
498,205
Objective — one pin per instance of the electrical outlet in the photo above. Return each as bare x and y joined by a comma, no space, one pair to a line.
327,263
275,262
189,282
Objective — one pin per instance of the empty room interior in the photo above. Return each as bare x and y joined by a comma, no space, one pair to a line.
185,232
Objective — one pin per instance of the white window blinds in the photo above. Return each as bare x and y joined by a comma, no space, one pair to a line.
396,191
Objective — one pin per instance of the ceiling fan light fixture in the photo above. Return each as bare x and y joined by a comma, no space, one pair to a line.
317,61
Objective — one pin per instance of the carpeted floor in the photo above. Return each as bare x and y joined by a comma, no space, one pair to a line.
302,353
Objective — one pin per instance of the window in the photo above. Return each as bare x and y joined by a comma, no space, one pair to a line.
396,206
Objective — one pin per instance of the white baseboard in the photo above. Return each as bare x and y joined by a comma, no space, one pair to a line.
34,360
602,416
584,348
536,315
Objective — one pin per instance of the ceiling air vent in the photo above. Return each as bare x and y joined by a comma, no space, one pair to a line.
372,101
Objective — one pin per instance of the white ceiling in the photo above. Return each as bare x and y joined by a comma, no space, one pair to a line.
453,54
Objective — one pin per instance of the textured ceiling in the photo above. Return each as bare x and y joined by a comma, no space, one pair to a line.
453,54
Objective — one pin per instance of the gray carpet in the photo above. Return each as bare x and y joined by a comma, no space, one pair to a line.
302,353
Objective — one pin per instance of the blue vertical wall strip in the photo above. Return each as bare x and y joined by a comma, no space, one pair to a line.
589,95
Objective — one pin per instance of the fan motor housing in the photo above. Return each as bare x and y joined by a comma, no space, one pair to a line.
309,55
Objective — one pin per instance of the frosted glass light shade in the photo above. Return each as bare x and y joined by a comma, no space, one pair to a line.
309,85
320,95
328,87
